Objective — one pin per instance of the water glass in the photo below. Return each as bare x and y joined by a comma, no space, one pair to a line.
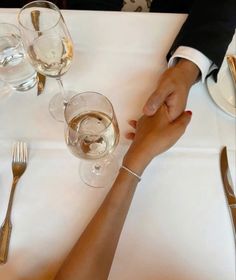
15,69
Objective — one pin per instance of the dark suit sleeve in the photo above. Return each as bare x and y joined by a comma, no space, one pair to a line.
209,28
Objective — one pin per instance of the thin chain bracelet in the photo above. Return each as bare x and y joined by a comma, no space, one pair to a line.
131,172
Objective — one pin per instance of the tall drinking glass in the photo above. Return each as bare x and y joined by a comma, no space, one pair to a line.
15,69
49,46
92,133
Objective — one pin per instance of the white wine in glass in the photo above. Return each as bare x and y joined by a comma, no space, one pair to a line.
92,134
51,56
49,46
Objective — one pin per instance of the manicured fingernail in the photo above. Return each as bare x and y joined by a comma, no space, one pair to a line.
149,109
129,135
189,112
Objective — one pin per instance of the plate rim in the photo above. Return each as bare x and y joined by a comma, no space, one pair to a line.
218,99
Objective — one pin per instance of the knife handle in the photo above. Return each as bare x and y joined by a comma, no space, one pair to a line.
41,82
233,216
35,19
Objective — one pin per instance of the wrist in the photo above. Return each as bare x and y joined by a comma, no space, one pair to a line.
189,69
136,160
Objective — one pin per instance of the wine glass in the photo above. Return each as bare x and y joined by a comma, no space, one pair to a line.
48,45
92,133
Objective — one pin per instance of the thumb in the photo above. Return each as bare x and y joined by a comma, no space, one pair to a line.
154,102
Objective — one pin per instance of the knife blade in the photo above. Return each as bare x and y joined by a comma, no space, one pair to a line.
231,60
228,189
41,78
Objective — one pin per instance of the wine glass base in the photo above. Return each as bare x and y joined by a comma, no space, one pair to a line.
57,105
99,174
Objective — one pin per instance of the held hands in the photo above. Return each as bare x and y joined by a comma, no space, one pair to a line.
153,135
173,89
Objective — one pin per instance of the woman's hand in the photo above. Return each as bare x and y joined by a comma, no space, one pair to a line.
153,135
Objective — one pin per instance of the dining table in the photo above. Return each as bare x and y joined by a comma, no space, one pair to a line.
178,225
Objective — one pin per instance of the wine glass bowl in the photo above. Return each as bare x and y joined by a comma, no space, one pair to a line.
49,46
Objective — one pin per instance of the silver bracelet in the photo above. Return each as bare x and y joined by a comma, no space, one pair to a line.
131,172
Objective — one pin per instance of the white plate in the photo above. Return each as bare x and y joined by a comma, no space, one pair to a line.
223,92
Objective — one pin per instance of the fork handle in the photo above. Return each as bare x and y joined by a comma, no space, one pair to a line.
5,230
5,233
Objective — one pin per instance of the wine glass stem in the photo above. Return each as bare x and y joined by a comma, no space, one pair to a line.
97,168
62,90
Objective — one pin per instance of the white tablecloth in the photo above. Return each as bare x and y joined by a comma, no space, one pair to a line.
178,226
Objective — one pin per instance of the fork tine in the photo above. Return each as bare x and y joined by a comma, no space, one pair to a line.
22,152
14,152
18,151
25,154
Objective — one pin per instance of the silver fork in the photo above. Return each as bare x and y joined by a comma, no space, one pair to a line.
19,163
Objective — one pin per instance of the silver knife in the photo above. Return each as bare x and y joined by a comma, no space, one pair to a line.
228,186
231,60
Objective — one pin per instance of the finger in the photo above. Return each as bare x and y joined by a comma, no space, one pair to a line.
130,135
133,123
156,100
182,122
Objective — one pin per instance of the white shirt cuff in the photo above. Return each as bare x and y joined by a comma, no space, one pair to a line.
203,62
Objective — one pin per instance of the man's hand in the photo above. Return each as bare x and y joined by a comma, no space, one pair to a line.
173,89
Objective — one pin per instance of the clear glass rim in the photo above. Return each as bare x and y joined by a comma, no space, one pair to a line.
100,94
14,26
31,4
